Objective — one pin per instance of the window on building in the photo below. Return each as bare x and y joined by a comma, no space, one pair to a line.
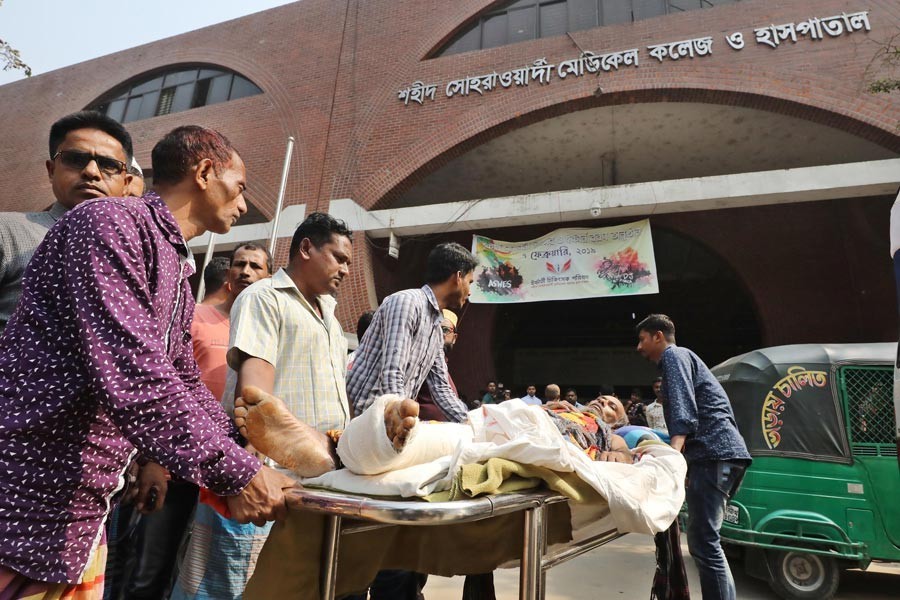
521,20
174,91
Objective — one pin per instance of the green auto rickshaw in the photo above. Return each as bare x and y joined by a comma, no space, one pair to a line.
823,491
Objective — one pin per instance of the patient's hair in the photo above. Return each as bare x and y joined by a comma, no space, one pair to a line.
621,422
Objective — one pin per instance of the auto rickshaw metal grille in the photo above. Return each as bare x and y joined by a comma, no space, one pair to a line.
868,395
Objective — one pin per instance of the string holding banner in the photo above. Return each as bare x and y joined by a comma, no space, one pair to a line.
567,264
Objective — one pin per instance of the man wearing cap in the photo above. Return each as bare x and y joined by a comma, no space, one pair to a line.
89,158
428,410
136,187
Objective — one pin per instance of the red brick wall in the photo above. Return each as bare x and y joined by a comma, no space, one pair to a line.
330,71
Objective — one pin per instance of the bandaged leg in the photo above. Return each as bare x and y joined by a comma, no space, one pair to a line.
368,447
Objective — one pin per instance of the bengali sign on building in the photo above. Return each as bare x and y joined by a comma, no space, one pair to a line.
813,29
568,264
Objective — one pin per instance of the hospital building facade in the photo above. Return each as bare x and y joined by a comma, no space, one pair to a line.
750,133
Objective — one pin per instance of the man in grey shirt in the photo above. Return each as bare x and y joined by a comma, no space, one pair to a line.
89,158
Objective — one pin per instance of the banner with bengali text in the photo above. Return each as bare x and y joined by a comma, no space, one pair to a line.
567,264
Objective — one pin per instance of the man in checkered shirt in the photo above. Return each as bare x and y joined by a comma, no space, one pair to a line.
403,349
404,346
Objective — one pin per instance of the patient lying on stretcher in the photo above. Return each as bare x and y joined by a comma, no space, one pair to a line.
273,430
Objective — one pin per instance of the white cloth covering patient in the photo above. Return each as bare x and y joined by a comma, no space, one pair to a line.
643,497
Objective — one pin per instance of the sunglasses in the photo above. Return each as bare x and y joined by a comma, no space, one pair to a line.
79,160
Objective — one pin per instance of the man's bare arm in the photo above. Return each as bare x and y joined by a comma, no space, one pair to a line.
256,372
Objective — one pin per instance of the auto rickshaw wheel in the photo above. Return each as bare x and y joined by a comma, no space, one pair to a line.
804,576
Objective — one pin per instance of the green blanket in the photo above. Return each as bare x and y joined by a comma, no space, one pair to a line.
498,476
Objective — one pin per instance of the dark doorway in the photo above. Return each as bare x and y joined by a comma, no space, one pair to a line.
586,343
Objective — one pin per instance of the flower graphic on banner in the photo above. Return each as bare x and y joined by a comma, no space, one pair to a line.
623,271
494,257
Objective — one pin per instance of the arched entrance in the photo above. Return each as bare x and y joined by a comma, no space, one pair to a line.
732,280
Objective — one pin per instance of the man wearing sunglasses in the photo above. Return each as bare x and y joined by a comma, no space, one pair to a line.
97,366
88,156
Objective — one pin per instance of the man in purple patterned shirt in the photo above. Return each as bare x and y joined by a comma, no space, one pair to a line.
96,365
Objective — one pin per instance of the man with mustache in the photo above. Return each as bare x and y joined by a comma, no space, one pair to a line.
285,339
96,366
249,263
89,158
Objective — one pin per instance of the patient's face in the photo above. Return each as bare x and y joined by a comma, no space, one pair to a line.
610,407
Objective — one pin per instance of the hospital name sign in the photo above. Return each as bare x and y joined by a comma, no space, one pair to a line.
542,72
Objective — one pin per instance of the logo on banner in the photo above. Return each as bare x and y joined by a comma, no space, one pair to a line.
501,277
557,267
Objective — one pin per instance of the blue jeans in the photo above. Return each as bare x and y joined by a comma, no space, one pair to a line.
710,484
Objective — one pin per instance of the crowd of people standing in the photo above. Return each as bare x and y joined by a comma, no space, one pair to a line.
117,389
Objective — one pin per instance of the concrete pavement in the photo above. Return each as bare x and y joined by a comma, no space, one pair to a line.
624,569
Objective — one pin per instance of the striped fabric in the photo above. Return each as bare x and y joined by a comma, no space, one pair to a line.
220,557
14,586
20,235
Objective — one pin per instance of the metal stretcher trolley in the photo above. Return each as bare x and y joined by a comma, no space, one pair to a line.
366,514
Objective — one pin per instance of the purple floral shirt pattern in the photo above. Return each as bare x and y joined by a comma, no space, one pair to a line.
96,363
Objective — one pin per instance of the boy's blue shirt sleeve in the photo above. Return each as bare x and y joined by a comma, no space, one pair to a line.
678,379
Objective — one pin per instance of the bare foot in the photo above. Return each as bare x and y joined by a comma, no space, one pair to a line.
400,416
268,424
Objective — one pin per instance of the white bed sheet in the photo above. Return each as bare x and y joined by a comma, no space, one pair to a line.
643,498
